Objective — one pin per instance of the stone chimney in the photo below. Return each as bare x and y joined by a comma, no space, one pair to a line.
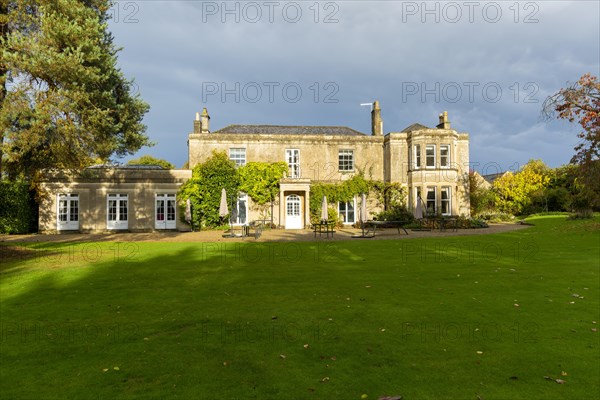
444,123
197,124
204,120
376,121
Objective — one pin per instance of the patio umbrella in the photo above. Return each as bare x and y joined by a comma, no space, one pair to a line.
223,210
363,209
418,213
324,213
188,211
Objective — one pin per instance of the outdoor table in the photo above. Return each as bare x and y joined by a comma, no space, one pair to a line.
324,227
385,224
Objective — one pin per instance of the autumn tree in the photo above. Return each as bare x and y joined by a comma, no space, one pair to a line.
580,103
63,102
516,192
150,160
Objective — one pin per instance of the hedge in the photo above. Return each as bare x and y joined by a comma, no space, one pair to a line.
18,209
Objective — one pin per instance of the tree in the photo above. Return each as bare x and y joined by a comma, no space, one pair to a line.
481,196
580,102
204,188
149,160
260,181
63,101
516,192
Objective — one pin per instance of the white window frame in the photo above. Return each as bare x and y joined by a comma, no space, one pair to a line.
428,200
417,156
345,213
448,191
165,223
446,163
292,157
119,222
427,156
345,160
71,222
238,155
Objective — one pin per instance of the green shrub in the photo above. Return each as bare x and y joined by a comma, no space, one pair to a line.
395,214
18,213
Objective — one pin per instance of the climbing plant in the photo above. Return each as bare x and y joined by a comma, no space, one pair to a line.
205,186
260,180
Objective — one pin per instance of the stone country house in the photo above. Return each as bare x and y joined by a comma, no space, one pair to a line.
433,163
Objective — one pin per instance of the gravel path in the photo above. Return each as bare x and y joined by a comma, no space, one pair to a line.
277,235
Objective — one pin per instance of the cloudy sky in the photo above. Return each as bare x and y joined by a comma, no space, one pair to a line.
489,64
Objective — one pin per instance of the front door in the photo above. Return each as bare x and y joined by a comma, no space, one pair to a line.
164,215
293,214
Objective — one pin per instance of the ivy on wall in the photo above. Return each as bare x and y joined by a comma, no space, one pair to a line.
259,180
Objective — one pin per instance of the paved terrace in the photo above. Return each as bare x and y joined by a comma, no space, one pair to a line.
270,235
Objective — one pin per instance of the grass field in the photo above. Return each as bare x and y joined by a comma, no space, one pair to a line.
507,316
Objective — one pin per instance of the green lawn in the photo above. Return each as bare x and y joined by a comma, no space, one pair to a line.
452,318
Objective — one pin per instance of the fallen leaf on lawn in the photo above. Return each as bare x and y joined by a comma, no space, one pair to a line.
282,355
575,295
146,338
594,330
104,369
347,298
225,363
364,396
306,346
333,358
116,368
368,286
594,322
563,373
382,329
326,379
548,378
516,305
479,352
560,381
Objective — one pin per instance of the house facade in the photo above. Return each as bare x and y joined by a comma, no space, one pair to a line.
432,163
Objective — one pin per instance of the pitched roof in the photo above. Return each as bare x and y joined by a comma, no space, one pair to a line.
414,127
289,130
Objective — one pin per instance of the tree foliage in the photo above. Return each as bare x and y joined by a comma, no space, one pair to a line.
150,160
260,180
515,192
17,214
64,102
205,186
580,103
481,195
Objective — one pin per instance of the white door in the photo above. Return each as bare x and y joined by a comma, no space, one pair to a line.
164,214
293,214
68,212
117,211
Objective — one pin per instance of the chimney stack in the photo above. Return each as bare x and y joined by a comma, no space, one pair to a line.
204,119
376,121
197,124
444,123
